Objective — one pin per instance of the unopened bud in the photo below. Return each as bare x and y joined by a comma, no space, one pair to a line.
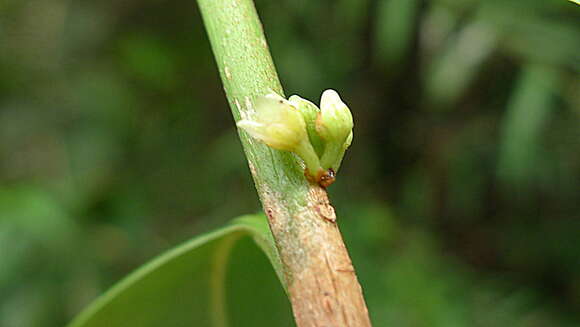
278,124
334,125
310,112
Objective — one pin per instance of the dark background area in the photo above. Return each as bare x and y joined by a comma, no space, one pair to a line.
459,198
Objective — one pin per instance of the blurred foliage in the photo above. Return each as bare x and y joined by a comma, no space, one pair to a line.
458,199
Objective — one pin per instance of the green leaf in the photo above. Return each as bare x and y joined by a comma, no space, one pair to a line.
207,281
394,29
520,161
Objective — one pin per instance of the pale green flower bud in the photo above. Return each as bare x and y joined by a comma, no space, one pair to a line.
280,125
348,141
310,113
334,125
335,122
318,136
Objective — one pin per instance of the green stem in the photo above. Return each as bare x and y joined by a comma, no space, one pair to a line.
333,153
318,273
247,72
311,161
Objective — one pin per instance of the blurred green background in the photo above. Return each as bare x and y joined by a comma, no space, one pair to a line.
459,198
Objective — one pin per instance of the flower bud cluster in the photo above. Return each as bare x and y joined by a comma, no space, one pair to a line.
319,136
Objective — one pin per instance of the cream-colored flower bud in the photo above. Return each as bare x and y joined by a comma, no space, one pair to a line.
280,125
310,112
348,141
276,123
335,121
334,125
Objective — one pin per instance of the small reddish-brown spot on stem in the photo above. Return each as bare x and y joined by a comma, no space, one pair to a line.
269,213
324,178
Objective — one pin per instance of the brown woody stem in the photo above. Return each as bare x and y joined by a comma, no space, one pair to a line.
318,272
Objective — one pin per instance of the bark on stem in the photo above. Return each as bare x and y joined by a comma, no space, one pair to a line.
318,272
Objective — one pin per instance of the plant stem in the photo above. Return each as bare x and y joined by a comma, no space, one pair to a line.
318,272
